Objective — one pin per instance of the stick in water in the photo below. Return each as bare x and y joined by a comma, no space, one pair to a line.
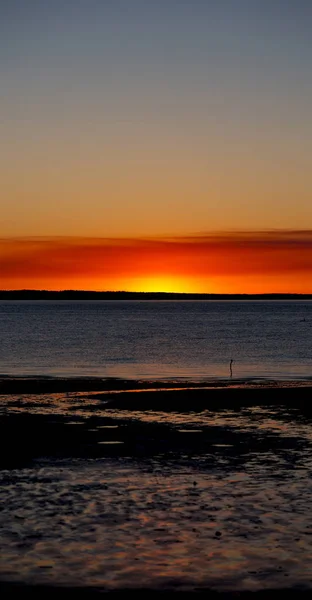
231,372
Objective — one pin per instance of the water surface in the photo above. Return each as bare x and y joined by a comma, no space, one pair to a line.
157,339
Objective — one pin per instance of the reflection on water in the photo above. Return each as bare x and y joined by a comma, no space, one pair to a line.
213,498
118,523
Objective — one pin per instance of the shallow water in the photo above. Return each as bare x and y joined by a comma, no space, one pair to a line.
157,339
218,499
117,523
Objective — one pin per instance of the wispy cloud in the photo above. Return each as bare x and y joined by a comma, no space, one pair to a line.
220,255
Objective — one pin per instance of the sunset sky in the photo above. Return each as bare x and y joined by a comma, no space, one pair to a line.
156,145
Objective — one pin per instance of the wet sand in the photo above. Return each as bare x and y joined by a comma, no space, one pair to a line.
52,385
183,490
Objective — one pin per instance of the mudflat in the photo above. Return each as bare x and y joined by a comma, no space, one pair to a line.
184,489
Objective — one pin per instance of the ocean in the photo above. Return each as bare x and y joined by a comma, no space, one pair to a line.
157,339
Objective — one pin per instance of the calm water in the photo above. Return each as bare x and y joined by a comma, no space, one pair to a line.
157,339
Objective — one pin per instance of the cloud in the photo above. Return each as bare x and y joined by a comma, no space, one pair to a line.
235,254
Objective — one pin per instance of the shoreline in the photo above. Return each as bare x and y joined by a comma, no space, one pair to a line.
166,395
43,384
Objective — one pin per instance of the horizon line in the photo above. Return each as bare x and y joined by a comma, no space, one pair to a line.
147,293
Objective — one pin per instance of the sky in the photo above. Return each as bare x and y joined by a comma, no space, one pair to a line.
139,123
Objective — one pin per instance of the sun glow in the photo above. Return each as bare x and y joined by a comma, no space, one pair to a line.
160,284
264,262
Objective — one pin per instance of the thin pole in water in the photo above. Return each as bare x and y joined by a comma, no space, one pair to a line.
231,372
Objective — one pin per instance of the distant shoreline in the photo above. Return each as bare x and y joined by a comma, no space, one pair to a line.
18,589
123,295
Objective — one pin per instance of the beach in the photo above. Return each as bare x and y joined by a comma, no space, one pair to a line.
165,486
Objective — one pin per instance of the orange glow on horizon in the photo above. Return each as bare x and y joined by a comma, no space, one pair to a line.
158,283
263,262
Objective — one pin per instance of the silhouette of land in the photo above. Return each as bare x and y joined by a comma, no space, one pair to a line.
124,295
